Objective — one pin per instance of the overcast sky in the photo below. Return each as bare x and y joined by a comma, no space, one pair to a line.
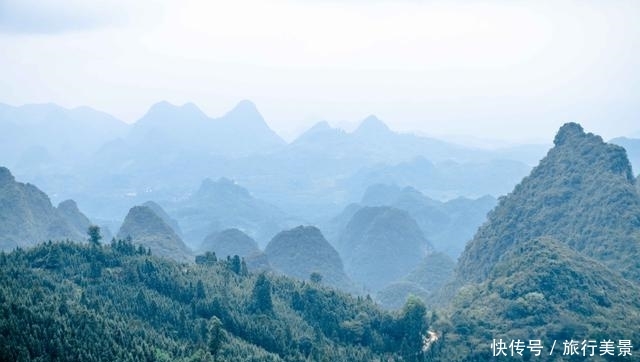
501,70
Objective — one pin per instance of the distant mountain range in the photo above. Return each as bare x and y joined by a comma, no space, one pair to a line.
223,204
49,138
114,165
447,225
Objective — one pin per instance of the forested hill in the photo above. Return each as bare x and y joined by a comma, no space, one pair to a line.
582,194
72,302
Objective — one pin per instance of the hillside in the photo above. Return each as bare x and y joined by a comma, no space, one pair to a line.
146,228
28,217
223,204
113,303
158,210
424,281
380,245
557,258
546,290
230,242
74,217
301,251
447,225
581,194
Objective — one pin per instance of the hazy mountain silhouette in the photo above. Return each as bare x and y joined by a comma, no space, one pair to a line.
230,242
304,250
446,179
433,272
447,225
380,245
34,133
69,210
240,132
164,216
27,216
223,204
147,228
173,147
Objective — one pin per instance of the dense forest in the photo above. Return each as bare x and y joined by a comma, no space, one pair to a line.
64,301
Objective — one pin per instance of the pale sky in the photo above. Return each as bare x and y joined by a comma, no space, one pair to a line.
504,70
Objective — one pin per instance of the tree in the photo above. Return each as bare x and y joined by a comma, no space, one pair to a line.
262,294
94,235
216,336
412,325
315,277
200,293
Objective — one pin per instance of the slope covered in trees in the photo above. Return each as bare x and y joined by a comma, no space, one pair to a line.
65,301
557,259
544,290
380,245
582,194
230,242
28,217
146,228
303,250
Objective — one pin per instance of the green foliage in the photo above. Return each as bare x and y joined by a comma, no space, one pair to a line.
544,290
94,235
581,194
303,250
435,270
315,277
262,294
230,242
66,301
558,257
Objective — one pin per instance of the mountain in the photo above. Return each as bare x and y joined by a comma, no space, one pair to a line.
444,179
240,132
447,225
27,216
304,250
433,272
223,204
113,303
546,289
146,228
380,245
558,256
581,194
76,219
230,242
158,210
373,141
26,140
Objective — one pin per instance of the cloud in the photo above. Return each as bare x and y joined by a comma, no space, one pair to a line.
58,16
